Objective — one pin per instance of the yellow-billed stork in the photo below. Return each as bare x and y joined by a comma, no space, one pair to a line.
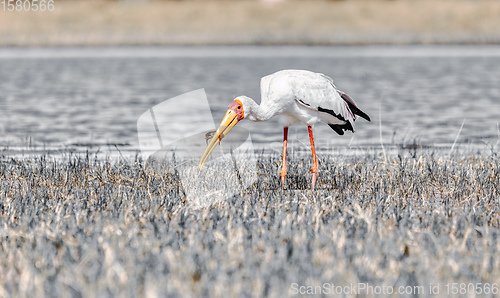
296,96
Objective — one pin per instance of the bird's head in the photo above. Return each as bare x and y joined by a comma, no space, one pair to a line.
235,113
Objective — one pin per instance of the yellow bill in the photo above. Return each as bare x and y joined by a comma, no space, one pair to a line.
227,123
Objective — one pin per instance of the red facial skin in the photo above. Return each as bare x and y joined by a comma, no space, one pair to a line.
237,107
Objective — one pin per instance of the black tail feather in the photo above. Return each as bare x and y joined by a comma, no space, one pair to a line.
352,106
339,128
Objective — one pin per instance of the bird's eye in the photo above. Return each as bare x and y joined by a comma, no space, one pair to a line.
239,107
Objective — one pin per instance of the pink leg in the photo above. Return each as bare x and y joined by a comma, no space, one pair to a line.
315,161
283,167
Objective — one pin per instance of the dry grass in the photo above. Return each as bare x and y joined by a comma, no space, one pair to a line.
89,227
252,22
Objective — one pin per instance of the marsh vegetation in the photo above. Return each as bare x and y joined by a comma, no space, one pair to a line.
80,226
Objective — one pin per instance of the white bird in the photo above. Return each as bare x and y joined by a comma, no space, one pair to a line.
297,96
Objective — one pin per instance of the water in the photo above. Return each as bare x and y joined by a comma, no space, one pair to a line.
90,98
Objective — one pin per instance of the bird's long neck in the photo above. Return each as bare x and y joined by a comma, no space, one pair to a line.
260,112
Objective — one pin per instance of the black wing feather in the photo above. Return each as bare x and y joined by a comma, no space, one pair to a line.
352,106
340,128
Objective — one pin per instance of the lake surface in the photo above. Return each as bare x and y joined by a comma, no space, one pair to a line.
91,98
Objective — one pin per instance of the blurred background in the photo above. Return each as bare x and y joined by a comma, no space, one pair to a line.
82,74
254,22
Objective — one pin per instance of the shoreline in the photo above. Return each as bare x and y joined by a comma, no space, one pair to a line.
318,23
235,51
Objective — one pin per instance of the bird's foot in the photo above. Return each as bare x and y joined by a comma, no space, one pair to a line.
314,176
283,175
313,181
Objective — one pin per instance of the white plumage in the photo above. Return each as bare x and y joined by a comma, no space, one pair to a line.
296,96
302,96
